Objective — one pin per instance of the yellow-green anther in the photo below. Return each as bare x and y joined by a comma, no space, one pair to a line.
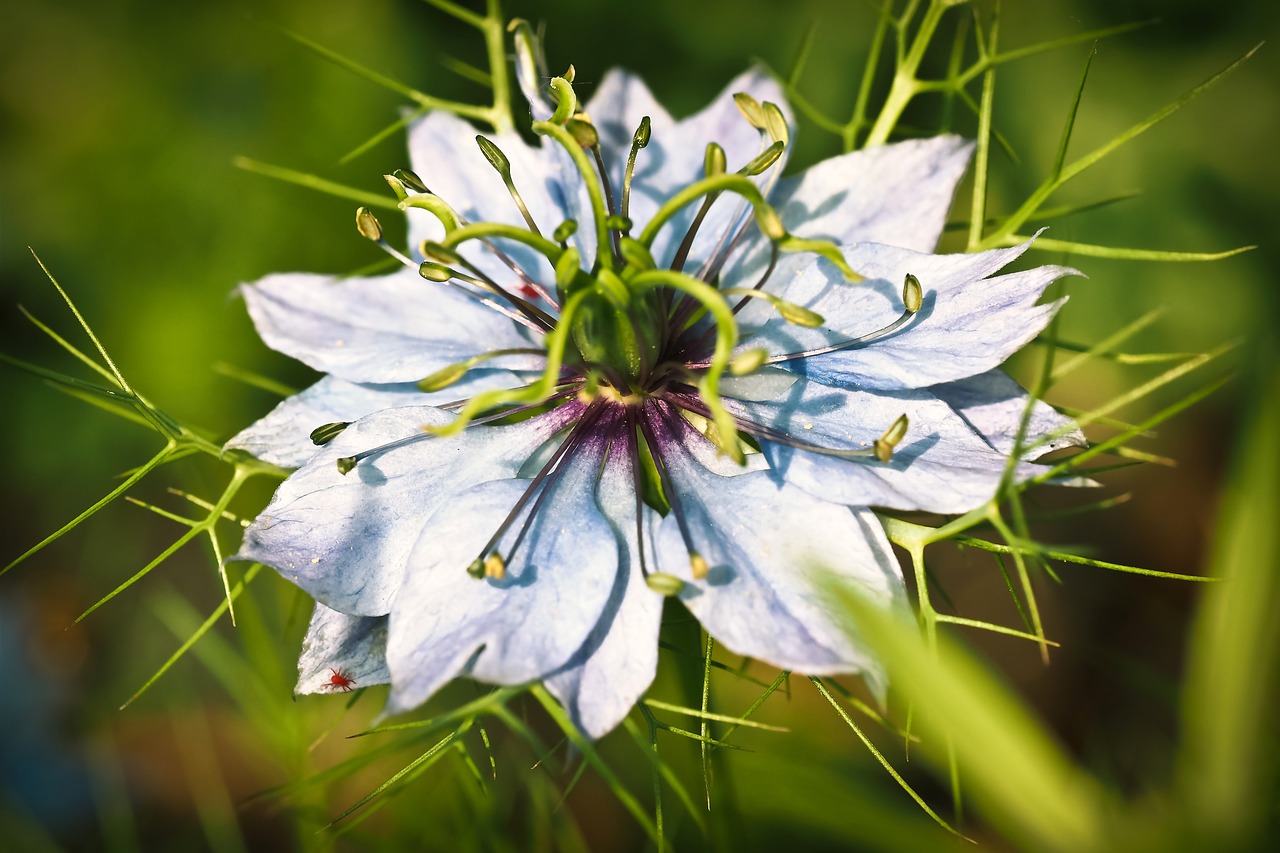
638,141
326,433
566,101
643,132
698,565
892,436
445,377
912,294
617,222
367,224
664,584
770,223
397,187
750,109
584,132
346,463
636,254
748,362
502,166
496,158
495,567
798,314
764,159
713,162
437,252
411,180
434,272
775,123
565,230
476,569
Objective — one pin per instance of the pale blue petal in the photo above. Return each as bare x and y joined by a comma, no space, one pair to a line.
444,153
896,194
776,556
283,437
354,646
609,674
993,404
515,630
345,539
942,465
396,328
968,323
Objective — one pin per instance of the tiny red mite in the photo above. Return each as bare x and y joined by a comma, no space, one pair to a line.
340,680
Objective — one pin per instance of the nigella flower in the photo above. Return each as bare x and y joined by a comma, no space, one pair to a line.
628,363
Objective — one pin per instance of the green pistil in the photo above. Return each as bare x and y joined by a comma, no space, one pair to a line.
604,258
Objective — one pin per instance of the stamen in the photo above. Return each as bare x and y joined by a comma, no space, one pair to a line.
446,253
713,165
638,141
892,436
440,274
371,229
346,463
571,441
502,165
912,299
447,376
882,447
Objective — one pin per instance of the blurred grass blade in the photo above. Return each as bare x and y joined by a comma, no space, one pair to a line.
884,762
1227,772
196,634
149,466
588,750
314,182
1017,775
1093,250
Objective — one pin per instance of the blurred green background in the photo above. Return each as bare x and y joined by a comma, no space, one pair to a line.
119,122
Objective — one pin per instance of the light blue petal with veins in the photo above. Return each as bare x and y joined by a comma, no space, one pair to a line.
524,626
345,539
896,194
993,404
609,674
355,646
942,465
283,437
968,324
395,328
774,553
